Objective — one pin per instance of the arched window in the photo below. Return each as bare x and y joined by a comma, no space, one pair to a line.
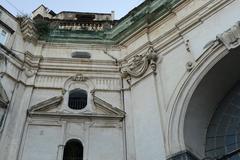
73,150
223,134
77,99
81,55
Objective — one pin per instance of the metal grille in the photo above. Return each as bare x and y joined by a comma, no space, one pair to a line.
223,134
77,99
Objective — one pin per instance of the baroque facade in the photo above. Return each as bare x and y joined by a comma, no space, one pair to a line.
160,83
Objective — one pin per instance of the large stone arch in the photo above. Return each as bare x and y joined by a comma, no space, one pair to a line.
215,73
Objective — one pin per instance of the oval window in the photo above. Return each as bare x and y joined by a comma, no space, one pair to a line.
81,55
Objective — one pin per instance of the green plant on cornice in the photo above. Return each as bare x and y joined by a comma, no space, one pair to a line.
42,26
21,17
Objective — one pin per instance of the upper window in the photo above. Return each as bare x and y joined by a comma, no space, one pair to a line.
73,150
81,55
3,36
77,99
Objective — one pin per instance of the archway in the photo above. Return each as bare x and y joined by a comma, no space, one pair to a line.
204,102
73,150
223,133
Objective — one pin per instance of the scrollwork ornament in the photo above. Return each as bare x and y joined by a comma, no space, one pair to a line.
139,64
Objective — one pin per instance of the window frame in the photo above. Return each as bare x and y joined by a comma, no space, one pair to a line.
78,93
5,38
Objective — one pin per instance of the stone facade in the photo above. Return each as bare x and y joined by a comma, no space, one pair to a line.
153,81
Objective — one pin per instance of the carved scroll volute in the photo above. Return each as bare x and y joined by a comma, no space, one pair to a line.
231,37
139,64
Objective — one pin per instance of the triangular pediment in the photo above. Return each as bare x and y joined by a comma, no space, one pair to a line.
50,107
46,105
105,107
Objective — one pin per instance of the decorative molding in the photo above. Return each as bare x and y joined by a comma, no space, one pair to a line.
139,64
108,107
104,109
29,31
46,105
189,66
231,37
29,72
79,77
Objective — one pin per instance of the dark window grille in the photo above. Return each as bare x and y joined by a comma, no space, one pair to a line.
81,55
73,150
77,99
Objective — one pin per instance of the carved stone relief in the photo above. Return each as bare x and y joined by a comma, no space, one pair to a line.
79,77
231,37
139,64
29,72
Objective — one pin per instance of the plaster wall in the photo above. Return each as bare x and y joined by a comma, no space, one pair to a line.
147,126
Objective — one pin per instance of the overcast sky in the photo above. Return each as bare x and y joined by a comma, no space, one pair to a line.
121,7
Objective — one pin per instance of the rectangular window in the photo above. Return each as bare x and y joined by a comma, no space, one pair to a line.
3,36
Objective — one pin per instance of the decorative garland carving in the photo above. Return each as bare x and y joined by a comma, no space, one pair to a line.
139,64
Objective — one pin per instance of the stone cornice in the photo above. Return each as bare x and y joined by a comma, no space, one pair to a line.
75,115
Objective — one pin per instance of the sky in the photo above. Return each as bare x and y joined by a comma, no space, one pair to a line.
121,7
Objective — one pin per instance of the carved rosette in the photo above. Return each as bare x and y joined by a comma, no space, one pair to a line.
139,64
231,37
